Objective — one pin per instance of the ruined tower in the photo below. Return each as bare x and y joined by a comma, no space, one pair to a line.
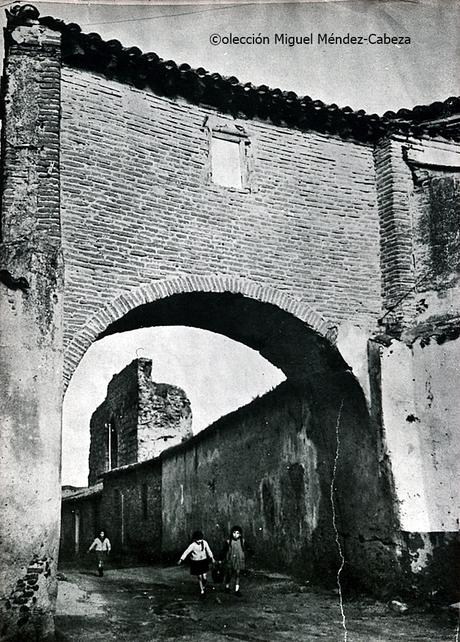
137,420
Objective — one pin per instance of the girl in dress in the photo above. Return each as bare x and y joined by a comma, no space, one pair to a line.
200,557
234,558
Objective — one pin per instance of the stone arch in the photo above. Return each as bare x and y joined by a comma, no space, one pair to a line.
319,397
156,290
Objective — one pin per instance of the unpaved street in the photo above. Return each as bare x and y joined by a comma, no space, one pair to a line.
161,603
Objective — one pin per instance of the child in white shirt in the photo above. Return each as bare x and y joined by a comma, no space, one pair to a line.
200,557
101,546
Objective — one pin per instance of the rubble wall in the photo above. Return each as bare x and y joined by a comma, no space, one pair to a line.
144,417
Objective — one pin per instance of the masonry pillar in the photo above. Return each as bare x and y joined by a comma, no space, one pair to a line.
31,288
396,235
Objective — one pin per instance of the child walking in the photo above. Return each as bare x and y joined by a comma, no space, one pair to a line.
234,558
200,556
101,546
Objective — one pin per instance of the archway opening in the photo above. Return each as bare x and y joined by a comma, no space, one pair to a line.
299,465
280,337
217,374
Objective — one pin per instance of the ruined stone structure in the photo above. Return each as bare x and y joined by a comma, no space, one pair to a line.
330,245
266,465
138,419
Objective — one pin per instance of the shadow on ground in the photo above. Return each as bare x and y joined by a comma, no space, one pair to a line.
162,603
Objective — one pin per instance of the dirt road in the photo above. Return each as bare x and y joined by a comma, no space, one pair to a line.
159,603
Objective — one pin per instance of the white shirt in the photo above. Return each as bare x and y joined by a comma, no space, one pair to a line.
99,545
198,551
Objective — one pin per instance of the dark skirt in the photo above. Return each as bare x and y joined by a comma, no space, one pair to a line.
198,567
101,557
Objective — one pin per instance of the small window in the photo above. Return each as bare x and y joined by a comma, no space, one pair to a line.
226,162
228,151
112,446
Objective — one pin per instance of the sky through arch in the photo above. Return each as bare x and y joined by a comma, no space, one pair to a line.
217,374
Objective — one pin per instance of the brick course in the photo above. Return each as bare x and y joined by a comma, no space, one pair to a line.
138,207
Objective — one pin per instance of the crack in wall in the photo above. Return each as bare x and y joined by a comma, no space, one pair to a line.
334,524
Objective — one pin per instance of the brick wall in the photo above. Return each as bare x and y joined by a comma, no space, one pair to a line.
394,183
30,151
418,197
138,205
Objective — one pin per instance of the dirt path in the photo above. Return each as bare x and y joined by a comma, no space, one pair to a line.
157,603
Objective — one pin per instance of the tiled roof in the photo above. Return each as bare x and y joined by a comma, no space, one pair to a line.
69,494
227,94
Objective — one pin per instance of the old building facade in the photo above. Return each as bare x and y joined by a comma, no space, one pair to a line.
330,245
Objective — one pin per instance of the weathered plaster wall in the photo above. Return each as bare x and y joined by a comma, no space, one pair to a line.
421,425
131,510
437,381
138,205
421,420
31,360
81,521
269,467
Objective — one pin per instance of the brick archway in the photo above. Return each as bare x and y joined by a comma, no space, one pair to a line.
156,290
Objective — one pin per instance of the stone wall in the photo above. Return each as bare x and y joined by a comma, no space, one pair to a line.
137,420
164,414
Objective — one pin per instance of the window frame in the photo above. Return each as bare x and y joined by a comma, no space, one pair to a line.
232,133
